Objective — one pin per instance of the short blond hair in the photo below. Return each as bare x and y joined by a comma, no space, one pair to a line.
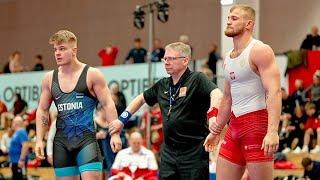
250,13
63,36
309,105
182,48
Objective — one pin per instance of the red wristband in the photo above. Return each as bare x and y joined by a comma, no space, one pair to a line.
212,112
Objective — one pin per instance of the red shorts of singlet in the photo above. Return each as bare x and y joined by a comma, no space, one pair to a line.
243,140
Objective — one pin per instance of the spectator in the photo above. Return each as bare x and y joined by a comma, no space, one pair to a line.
209,73
158,51
19,108
311,169
30,121
3,107
19,148
284,121
298,93
312,127
137,54
135,162
6,68
104,141
295,131
185,39
156,135
312,41
314,89
119,98
14,64
39,64
287,103
108,55
213,58
6,140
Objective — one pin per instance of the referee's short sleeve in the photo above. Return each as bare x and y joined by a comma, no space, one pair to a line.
151,95
205,85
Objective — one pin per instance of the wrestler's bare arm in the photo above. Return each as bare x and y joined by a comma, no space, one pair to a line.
263,58
42,114
216,126
225,106
102,92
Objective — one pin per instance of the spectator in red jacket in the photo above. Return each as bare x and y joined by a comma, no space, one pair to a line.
3,107
108,55
156,135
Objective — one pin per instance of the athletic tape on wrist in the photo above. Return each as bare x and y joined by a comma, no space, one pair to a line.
125,116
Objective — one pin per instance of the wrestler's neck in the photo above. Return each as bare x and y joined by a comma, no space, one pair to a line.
73,66
241,42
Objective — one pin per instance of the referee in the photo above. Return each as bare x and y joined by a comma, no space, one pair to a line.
184,99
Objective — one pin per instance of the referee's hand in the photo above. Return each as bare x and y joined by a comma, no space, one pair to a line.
115,126
211,141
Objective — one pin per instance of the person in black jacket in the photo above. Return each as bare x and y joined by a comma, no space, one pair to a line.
312,41
311,168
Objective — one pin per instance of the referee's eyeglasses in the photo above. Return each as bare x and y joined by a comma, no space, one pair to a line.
171,59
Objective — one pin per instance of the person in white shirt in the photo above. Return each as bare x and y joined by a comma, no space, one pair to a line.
5,140
135,162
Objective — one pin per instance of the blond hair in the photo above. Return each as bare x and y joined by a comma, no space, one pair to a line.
63,36
250,13
180,47
309,105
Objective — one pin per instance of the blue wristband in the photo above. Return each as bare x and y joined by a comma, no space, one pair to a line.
125,116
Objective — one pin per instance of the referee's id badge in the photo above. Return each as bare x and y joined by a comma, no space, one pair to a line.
183,91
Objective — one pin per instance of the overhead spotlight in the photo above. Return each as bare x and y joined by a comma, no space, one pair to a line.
138,17
226,2
163,10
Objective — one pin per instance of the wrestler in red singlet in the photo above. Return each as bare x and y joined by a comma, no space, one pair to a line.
252,102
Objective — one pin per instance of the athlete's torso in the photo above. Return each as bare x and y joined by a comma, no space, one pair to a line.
75,108
247,91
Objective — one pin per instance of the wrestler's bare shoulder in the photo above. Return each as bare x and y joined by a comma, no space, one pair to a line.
261,52
94,73
47,79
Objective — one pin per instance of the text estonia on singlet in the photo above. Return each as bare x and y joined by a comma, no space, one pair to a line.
70,106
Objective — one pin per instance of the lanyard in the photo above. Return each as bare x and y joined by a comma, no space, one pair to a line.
172,96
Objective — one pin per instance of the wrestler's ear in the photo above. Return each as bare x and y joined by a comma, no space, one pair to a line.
73,46
250,24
